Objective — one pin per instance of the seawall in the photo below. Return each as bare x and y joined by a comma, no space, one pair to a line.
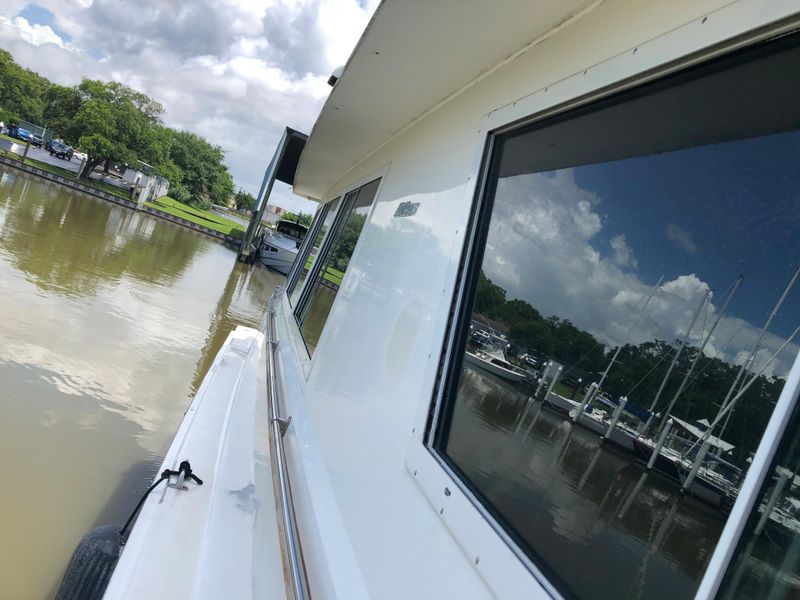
228,240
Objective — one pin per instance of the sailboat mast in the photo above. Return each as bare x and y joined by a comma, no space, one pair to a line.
685,381
678,354
761,335
704,441
630,331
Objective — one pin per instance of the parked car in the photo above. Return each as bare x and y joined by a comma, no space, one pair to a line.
80,155
20,133
36,140
61,150
49,143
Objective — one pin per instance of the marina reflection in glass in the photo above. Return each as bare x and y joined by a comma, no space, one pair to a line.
633,323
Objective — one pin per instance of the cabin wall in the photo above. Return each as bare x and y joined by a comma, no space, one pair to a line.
374,368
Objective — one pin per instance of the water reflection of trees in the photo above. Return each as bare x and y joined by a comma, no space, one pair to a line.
639,369
243,301
72,244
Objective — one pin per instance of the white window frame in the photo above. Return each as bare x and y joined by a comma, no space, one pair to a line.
507,571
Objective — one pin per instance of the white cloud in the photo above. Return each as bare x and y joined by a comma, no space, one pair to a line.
681,238
623,255
542,248
36,34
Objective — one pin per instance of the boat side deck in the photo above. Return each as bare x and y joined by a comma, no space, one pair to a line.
218,540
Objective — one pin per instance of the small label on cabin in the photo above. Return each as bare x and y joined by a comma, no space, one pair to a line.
406,209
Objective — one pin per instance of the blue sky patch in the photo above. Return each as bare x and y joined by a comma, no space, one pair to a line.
36,15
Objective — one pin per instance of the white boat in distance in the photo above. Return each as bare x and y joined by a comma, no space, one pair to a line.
492,362
278,249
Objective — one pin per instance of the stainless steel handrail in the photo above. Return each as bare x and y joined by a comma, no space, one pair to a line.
297,581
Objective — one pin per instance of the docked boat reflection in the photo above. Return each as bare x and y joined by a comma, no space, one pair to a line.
590,505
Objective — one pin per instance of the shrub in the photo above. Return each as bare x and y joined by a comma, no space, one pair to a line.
180,193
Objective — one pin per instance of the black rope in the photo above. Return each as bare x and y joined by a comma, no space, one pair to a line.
184,468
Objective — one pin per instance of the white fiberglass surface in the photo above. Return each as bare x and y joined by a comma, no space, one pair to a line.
219,539
363,386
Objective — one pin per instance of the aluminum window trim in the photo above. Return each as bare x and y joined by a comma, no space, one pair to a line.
620,73
300,351
330,240
298,311
751,487
469,267
305,248
478,193
342,195
347,196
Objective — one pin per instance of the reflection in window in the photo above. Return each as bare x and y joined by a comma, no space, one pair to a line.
631,325
766,563
331,273
327,220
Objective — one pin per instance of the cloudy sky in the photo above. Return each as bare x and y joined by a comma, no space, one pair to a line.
589,243
233,71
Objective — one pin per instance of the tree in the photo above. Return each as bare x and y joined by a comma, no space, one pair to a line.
205,175
244,200
60,105
114,123
302,218
340,257
639,369
489,297
20,89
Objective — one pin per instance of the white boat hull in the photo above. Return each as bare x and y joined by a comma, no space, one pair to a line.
496,370
618,435
279,259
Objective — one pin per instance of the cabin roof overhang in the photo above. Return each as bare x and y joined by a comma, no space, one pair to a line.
412,58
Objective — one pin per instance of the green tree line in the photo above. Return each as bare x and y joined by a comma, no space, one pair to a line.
113,123
302,218
639,369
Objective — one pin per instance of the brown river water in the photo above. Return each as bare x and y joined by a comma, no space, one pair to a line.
108,321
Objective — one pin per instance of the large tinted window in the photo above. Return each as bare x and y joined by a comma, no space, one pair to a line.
293,230
313,313
327,216
629,257
298,267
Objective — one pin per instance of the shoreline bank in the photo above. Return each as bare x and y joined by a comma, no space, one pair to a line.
227,240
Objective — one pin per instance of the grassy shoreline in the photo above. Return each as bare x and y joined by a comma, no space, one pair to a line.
197,215
165,203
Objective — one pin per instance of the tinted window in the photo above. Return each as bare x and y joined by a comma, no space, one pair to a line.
328,217
766,563
329,276
605,300
294,230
